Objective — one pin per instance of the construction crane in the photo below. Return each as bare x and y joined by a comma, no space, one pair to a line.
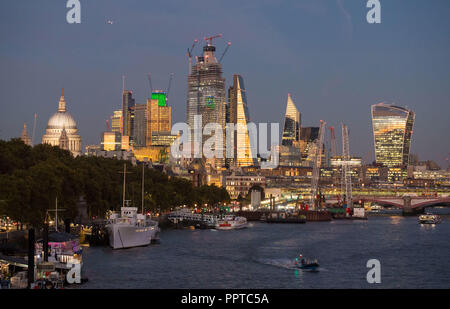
34,129
317,162
224,52
150,84
189,54
333,142
168,87
347,177
212,38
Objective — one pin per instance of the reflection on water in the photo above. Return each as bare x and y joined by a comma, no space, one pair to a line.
262,256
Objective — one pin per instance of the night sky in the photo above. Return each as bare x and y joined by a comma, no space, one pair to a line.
324,53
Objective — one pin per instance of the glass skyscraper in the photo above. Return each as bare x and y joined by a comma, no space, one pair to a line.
292,123
117,122
159,116
238,115
127,105
140,125
206,94
392,131
290,140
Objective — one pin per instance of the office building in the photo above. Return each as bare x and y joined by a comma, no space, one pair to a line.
392,131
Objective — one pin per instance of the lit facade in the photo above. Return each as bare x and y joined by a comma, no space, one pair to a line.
292,125
239,115
308,136
241,184
111,141
162,138
392,131
117,122
62,130
206,96
159,116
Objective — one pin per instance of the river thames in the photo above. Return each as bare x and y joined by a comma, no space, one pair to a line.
262,256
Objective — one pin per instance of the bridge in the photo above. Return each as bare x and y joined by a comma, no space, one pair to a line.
410,205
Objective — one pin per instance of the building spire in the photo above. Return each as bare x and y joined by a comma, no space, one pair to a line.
62,102
25,138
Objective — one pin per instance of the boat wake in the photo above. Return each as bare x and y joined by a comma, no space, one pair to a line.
282,263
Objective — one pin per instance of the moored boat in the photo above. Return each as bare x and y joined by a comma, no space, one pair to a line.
130,229
231,222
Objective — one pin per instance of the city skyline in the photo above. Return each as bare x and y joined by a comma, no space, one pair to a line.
406,75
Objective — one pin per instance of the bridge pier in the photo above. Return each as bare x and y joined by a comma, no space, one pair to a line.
408,210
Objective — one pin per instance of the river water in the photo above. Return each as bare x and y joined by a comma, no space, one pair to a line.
262,256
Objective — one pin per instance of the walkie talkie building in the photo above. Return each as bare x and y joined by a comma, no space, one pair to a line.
392,131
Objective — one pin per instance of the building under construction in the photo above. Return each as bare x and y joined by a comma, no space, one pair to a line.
206,93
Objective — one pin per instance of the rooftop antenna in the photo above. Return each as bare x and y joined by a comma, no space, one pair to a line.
123,83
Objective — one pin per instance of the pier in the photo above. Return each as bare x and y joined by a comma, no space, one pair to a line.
310,215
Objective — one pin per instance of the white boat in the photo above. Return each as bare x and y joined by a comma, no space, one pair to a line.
131,229
429,219
231,222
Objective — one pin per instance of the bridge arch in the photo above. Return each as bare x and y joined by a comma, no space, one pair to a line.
431,203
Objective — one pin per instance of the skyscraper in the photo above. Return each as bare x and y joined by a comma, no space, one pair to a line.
117,122
392,131
238,115
111,141
206,94
127,105
307,137
159,116
139,125
290,141
292,124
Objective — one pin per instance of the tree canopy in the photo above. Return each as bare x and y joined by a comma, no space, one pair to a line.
32,177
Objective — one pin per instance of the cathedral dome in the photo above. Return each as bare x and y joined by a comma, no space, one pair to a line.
62,130
61,120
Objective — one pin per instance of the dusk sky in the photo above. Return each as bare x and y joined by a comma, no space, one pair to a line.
323,52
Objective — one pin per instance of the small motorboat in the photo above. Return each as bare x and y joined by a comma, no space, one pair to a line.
429,219
306,264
